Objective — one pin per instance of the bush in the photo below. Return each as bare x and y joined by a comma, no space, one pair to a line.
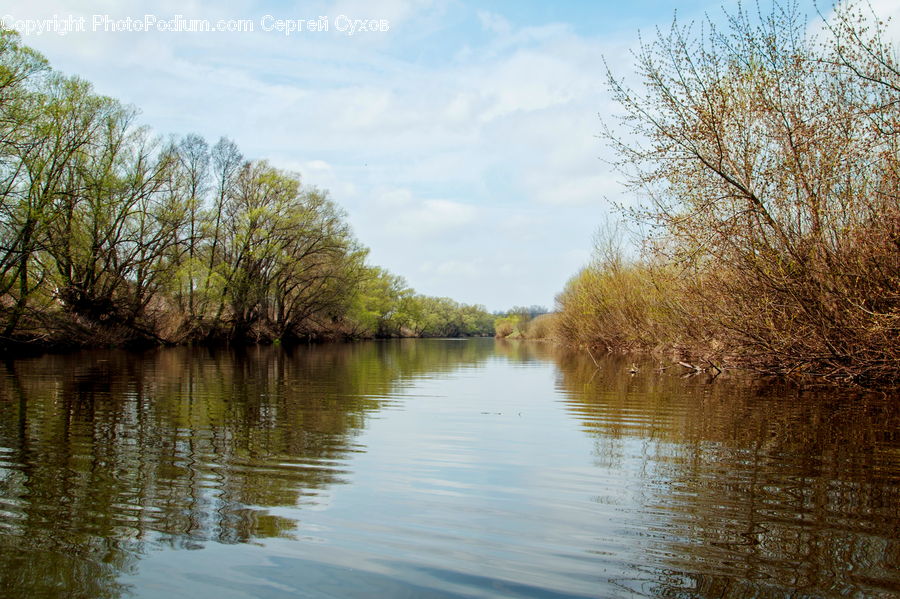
771,164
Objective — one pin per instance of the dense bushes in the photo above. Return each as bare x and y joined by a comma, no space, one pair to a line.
533,322
385,307
616,307
770,164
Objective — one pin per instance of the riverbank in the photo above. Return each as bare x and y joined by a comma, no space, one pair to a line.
96,336
596,316
766,201
112,236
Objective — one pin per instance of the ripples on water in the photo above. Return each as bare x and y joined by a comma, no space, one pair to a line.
436,469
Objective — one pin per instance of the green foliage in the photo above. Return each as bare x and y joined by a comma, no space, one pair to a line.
286,258
518,323
381,304
620,305
504,326
542,326
109,235
386,307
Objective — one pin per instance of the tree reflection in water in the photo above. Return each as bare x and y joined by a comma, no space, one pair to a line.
750,488
726,487
105,455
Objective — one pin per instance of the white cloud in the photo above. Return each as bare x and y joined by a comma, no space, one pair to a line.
429,218
394,198
395,11
482,166
467,269
494,23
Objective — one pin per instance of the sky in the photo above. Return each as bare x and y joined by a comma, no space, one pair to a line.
461,138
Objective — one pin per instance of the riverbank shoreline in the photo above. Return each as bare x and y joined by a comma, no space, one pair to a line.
690,362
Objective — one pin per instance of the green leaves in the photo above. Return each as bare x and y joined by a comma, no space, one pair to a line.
105,228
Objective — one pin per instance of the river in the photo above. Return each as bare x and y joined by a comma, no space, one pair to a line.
436,468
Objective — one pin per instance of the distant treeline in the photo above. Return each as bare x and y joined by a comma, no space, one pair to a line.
769,161
524,322
110,235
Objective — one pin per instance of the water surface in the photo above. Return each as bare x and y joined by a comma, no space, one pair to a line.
436,468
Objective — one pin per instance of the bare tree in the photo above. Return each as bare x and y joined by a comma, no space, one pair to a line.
770,161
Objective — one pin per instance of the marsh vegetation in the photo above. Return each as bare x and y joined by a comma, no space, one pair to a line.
767,160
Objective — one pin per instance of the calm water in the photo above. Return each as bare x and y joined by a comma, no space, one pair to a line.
436,468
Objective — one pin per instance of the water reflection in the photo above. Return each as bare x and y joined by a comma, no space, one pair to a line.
104,452
462,468
749,488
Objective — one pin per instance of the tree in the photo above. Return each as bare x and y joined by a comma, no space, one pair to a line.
21,199
194,170
770,162
318,267
381,304
116,220
109,235
285,255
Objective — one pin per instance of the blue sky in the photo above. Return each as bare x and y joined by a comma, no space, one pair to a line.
461,141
